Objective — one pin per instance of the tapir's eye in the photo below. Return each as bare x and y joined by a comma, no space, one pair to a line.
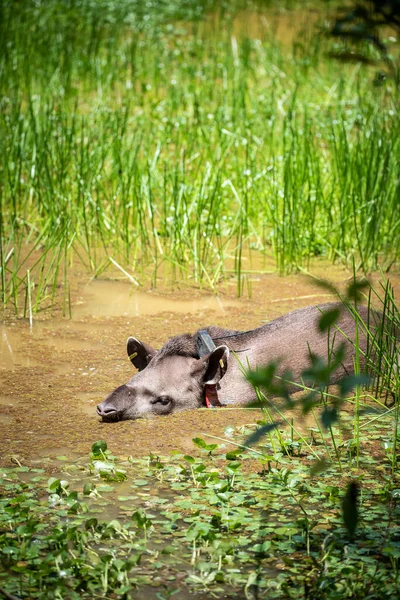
162,400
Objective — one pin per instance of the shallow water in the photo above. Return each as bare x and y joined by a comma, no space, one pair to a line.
53,375
284,26
117,298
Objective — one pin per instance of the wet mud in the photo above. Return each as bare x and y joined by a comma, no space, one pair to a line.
53,375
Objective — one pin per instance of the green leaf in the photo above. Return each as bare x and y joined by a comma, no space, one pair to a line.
350,508
223,496
264,547
200,443
88,488
189,459
168,550
199,530
141,519
114,525
9,550
328,319
234,465
103,466
354,290
319,466
99,447
347,384
91,523
325,285
233,454
260,433
140,482
53,484
328,417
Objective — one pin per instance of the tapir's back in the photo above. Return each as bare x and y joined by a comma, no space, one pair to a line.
290,340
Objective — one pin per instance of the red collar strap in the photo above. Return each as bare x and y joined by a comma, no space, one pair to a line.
211,396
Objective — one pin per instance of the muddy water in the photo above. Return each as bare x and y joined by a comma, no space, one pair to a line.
53,375
285,27
118,298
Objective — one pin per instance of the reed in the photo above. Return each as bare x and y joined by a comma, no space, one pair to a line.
151,137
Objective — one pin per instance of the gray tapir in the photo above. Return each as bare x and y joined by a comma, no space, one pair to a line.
175,378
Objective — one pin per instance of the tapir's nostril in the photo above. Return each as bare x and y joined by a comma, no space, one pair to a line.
106,411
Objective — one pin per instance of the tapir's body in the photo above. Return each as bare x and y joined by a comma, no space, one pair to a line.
174,378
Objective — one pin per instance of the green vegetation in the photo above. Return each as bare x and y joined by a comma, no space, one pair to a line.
380,373
159,139
363,22
158,135
303,507
207,524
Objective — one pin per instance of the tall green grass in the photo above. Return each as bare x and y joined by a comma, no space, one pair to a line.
151,135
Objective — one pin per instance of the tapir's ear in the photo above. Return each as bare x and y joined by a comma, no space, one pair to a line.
217,364
140,354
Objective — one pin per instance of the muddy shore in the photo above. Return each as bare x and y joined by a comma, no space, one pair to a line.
52,377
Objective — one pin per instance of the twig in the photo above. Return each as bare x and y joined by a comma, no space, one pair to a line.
132,279
7,595
214,437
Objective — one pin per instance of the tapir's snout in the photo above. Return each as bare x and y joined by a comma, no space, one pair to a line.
107,411
114,406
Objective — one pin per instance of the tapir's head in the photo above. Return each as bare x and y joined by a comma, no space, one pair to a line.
169,380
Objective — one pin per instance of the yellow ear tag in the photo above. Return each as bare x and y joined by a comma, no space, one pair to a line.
221,362
134,355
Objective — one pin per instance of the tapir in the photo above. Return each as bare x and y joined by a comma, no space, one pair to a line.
176,378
